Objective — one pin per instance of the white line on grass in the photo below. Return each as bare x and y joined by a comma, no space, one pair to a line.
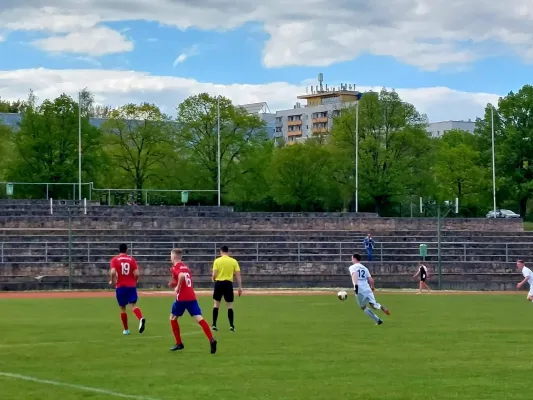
72,386
5,346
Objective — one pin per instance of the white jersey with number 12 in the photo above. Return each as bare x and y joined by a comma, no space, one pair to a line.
529,275
362,274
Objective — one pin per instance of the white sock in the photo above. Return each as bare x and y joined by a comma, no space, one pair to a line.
369,312
376,306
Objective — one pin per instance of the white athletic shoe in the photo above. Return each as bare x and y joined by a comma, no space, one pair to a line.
126,332
142,325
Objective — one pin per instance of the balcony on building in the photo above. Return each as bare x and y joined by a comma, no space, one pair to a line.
320,120
319,130
294,132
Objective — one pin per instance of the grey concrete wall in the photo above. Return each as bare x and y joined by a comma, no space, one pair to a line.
455,275
233,221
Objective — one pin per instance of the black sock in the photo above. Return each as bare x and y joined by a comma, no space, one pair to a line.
230,317
215,316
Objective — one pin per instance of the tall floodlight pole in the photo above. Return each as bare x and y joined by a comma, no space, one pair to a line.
439,259
79,146
357,156
493,161
218,149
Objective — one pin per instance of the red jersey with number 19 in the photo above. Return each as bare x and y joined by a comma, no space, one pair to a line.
125,265
186,291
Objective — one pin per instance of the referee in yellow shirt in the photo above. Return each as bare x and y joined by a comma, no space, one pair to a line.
224,268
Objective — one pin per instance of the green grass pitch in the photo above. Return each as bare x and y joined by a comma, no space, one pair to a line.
291,347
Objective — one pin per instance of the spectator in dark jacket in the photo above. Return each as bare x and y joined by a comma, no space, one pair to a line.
369,246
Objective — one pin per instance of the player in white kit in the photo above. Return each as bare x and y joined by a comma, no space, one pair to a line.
528,278
363,286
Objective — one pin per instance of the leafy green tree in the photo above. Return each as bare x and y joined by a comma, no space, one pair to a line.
394,148
140,142
299,177
7,106
459,171
241,134
6,150
90,108
46,145
513,128
250,189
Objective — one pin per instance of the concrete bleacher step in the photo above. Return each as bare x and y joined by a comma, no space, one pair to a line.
249,221
378,234
196,235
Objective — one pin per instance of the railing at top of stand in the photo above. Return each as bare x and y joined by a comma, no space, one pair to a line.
107,191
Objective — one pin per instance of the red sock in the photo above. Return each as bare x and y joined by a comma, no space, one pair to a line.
138,313
176,330
124,318
206,329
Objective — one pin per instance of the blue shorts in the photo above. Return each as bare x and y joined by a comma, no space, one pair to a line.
126,295
179,307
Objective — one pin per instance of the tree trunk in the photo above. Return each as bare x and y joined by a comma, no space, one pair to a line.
380,203
523,206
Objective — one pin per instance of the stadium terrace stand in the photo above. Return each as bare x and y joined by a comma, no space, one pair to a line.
37,249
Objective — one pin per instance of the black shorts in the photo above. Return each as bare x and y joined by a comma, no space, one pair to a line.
223,289
422,277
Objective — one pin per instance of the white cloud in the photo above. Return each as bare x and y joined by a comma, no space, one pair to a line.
119,87
181,58
97,41
49,19
193,51
424,33
89,60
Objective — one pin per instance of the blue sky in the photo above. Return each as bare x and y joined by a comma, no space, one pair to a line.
254,53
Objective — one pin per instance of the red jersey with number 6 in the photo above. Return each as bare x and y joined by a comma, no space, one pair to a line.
125,265
186,290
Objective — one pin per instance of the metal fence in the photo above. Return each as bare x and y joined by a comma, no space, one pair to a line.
109,196
89,252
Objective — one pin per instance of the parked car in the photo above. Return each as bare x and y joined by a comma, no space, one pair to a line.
503,214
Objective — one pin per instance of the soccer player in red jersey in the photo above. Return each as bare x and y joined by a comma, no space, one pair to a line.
185,300
124,275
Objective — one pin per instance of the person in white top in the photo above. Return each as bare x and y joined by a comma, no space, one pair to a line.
528,278
363,286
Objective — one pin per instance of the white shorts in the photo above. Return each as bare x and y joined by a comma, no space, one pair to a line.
366,298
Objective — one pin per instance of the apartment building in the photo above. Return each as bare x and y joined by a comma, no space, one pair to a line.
264,113
315,117
437,129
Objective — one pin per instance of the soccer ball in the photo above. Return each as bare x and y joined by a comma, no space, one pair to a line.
342,295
